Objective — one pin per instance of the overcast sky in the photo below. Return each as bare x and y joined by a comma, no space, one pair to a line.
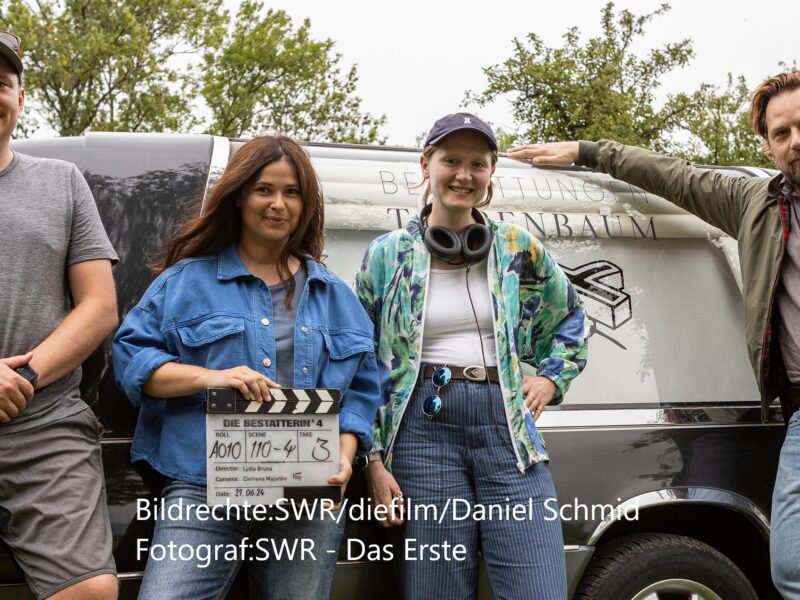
416,58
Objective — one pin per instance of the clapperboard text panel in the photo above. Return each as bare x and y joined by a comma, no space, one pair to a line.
265,452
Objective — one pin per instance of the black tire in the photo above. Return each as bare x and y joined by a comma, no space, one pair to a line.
671,566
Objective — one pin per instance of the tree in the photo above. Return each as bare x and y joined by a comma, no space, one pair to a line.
599,89
592,90
106,64
717,127
268,76
136,65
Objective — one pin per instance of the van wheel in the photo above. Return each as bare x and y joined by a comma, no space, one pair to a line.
657,566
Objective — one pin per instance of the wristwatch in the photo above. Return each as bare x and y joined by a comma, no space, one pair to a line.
29,373
371,457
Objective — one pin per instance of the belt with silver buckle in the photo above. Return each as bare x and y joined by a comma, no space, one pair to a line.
471,373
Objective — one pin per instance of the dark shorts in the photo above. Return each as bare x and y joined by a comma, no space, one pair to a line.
53,510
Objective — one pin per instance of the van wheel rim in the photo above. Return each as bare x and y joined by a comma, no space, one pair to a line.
677,589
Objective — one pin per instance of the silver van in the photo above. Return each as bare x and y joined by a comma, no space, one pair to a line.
663,467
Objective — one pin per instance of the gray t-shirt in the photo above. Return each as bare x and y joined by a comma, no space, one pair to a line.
284,326
48,221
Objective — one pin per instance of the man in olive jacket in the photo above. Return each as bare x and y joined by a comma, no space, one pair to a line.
762,214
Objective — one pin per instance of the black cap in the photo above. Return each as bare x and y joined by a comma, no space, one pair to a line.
456,122
11,50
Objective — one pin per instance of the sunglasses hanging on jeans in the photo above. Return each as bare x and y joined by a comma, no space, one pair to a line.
432,405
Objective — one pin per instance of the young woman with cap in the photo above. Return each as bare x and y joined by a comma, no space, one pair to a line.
456,430
241,301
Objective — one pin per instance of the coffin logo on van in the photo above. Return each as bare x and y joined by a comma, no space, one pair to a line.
601,285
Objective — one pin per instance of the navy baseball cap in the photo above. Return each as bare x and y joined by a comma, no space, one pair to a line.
456,122
11,50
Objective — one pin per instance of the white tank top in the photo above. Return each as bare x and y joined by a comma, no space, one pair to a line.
450,336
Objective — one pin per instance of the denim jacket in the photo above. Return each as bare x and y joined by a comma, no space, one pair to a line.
210,311
538,319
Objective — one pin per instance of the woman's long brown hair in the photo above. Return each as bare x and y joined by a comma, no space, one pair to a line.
220,225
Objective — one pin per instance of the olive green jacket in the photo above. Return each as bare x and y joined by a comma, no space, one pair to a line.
746,208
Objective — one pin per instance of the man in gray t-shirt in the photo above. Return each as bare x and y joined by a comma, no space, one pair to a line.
57,304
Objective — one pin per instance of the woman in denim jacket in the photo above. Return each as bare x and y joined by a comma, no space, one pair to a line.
456,443
241,301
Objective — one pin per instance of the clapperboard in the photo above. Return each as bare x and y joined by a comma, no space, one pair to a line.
264,452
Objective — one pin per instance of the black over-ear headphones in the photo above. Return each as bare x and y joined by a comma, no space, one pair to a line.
472,243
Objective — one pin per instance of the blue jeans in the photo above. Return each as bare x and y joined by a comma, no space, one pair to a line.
460,460
785,535
192,557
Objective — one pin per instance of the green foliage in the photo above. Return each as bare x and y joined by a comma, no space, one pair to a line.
600,89
588,90
505,139
105,64
136,65
268,76
717,128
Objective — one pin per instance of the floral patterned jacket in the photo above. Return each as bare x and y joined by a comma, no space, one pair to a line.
538,319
